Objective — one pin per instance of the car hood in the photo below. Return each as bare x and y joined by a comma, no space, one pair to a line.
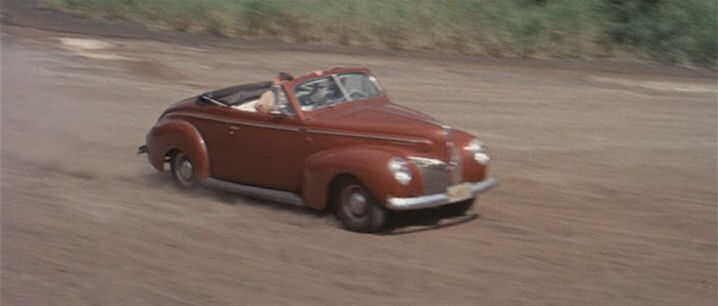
382,119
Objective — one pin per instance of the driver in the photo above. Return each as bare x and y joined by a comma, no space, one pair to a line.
324,93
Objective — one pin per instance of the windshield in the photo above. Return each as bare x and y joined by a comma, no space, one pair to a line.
335,89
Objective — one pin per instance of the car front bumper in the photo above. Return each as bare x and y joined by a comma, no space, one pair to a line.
439,199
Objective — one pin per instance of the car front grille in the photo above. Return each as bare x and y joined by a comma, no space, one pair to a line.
456,166
437,175
436,178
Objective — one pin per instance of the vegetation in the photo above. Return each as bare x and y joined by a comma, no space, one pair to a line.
675,31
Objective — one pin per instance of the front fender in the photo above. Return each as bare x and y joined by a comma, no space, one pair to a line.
174,134
367,164
473,172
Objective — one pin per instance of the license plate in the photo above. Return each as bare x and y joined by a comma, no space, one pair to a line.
458,192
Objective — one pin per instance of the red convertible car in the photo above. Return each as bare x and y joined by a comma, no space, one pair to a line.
327,140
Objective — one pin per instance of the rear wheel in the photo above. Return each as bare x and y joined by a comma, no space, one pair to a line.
183,170
356,209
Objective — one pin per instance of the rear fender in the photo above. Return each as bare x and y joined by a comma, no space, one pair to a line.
173,134
367,164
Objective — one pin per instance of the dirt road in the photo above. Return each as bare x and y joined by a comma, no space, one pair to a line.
607,196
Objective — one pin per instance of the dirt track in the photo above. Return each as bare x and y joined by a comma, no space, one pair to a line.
607,196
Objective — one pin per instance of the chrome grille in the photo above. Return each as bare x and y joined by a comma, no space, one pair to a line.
434,174
455,167
436,178
437,175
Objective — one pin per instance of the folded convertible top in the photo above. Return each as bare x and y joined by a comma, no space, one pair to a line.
238,94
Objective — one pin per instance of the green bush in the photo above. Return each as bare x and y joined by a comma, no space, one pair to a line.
676,31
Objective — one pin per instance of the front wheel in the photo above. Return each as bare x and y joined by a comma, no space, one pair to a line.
183,170
356,209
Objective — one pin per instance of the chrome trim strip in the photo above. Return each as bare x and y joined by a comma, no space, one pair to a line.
439,199
424,161
234,121
292,129
213,100
264,193
360,135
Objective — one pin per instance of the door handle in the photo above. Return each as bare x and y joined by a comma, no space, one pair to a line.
307,137
233,129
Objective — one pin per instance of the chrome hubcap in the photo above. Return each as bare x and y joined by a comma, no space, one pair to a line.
186,170
357,203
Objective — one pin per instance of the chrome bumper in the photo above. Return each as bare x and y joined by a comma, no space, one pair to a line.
439,199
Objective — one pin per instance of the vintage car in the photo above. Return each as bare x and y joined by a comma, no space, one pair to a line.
327,140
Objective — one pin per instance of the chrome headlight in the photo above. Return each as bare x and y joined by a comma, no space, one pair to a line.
399,168
479,151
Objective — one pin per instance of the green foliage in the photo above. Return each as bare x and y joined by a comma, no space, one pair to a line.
678,31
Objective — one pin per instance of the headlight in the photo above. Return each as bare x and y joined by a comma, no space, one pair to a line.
399,168
479,150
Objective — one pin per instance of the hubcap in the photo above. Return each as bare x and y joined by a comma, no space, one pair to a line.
357,203
186,170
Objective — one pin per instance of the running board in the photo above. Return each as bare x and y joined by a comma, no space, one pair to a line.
258,192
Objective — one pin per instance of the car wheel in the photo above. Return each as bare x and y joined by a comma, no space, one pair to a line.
183,170
356,209
460,208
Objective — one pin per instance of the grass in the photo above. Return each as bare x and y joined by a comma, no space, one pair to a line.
681,32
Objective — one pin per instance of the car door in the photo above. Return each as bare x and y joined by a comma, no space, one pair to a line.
265,150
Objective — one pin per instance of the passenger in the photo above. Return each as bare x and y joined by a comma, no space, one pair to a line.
265,104
267,101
